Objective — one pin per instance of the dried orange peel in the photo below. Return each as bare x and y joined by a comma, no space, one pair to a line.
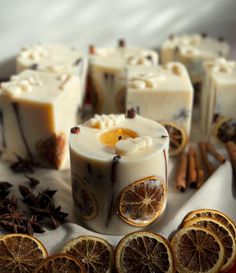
144,251
96,254
142,202
20,253
177,135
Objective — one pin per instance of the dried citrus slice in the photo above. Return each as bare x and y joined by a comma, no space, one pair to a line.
197,250
177,135
143,201
95,253
215,214
20,253
60,263
85,203
144,251
225,129
223,234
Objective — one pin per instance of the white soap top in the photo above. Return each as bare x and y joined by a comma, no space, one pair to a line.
170,77
52,58
121,56
222,71
195,45
87,142
38,86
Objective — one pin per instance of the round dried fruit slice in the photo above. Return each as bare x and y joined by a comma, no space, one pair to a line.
20,253
60,263
96,254
225,129
223,233
214,214
85,203
177,135
142,202
197,250
144,251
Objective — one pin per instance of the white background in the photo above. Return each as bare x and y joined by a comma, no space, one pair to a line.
82,22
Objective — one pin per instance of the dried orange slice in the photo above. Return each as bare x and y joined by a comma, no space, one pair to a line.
223,233
197,250
20,253
142,202
225,129
177,135
144,251
60,263
85,203
215,214
96,254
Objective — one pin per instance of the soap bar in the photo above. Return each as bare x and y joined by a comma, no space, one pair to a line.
107,75
164,94
218,101
37,110
58,59
192,50
119,173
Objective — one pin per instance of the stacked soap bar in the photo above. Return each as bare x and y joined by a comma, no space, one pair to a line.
218,103
37,110
57,59
107,75
164,94
192,50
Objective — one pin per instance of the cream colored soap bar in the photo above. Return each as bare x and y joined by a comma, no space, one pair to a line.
37,110
107,75
192,50
119,172
58,59
218,101
164,94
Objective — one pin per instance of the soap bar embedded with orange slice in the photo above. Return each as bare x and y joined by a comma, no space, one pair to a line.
119,173
164,94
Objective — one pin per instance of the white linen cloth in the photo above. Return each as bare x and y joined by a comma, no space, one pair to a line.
218,192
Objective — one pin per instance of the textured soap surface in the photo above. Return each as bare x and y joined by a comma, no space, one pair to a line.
162,93
33,107
107,75
103,171
192,50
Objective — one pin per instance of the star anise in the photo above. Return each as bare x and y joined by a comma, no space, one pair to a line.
28,197
51,216
33,182
4,186
22,165
33,225
14,220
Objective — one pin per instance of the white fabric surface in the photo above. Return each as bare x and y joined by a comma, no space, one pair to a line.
102,22
217,193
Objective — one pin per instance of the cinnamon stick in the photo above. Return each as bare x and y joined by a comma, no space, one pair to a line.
201,176
192,168
211,149
181,178
231,149
210,168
